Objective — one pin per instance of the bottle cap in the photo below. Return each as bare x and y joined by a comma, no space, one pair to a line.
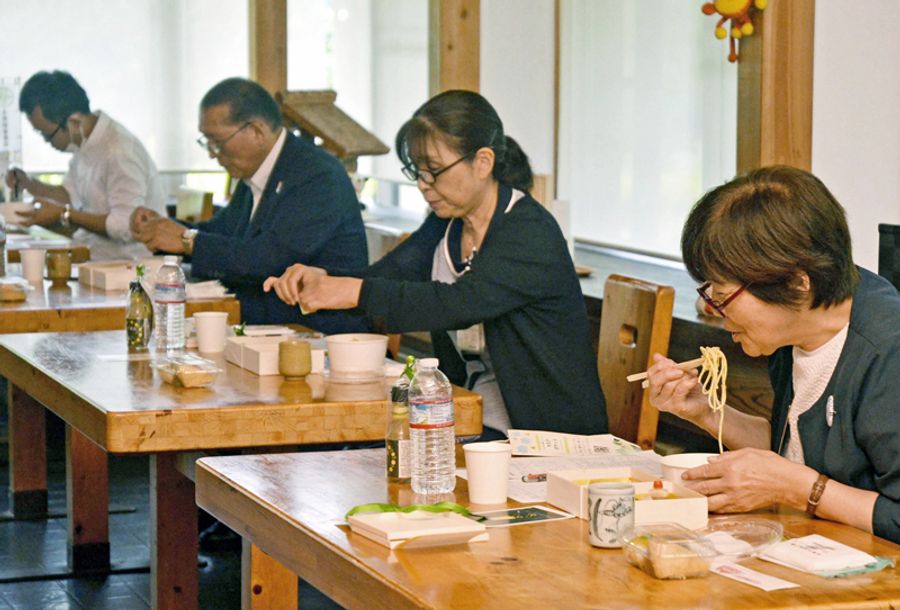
427,363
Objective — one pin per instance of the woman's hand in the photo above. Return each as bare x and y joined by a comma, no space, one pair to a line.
313,289
747,479
676,391
140,219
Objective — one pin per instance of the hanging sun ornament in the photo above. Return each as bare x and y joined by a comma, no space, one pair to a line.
738,12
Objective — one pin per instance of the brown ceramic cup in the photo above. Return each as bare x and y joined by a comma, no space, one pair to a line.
294,358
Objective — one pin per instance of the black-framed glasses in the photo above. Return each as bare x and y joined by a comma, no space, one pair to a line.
216,147
49,137
429,176
719,306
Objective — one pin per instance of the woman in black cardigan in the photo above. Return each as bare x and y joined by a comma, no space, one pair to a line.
487,257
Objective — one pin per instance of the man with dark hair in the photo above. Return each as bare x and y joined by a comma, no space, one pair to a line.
294,204
110,173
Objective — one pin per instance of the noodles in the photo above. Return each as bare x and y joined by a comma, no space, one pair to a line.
713,375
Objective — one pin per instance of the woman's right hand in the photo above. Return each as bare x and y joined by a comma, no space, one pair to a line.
676,391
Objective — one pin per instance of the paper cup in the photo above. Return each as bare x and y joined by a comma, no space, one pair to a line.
211,327
487,469
674,465
32,264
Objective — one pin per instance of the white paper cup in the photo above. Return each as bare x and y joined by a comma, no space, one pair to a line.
674,465
211,328
487,469
32,264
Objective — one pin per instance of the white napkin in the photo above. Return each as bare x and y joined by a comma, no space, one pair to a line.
211,289
815,553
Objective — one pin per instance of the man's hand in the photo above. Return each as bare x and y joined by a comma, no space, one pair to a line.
139,220
18,180
313,289
45,212
160,234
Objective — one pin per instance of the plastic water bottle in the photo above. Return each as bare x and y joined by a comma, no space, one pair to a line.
431,428
168,300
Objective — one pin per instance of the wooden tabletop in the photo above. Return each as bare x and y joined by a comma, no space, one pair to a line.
118,400
291,506
77,307
39,237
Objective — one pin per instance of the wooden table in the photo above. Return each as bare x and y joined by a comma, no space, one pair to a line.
77,307
115,405
291,507
39,237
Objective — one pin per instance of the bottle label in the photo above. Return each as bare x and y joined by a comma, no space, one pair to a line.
398,458
430,415
169,293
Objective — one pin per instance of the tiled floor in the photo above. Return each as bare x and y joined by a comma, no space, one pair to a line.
39,548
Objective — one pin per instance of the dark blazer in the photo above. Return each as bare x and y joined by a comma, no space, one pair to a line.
308,214
523,286
860,445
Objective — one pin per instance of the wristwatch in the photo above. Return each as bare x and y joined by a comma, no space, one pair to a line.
65,219
187,240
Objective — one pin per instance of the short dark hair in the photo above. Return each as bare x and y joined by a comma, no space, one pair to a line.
765,227
466,122
246,100
56,93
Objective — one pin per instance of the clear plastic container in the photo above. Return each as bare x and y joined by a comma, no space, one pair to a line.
431,429
169,296
668,551
740,536
187,370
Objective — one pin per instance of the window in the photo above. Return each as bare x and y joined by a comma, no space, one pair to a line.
648,111
374,53
145,62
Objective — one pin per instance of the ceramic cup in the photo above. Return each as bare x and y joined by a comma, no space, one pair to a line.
487,471
674,465
294,358
211,329
610,513
32,264
59,267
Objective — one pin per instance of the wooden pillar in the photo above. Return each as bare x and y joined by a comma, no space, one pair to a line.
265,583
775,80
454,45
268,43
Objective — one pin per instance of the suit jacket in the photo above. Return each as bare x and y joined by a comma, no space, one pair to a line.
308,214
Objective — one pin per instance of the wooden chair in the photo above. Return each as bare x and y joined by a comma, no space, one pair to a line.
889,253
635,323
193,205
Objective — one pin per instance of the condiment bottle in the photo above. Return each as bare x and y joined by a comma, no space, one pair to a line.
397,439
138,313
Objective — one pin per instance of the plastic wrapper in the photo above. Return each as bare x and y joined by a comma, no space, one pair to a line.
668,551
187,370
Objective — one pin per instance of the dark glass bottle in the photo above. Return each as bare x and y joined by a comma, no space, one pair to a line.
138,314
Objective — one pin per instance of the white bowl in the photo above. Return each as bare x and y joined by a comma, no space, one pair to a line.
356,356
674,465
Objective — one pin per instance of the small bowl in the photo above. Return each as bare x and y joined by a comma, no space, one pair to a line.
356,357
674,465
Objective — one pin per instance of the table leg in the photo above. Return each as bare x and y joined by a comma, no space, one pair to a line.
173,536
265,583
27,456
87,495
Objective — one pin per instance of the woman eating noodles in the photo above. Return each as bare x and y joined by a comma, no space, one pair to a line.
488,259
772,249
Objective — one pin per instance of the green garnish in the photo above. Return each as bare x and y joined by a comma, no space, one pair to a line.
410,369
440,507
140,271
239,329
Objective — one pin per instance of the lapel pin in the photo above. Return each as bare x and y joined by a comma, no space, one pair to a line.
278,187
829,411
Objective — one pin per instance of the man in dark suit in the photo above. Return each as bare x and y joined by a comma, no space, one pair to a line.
294,204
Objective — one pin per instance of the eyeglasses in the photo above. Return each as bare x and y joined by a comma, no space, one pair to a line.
216,147
719,306
426,175
49,137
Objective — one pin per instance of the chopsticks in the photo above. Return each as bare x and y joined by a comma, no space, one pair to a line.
684,366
